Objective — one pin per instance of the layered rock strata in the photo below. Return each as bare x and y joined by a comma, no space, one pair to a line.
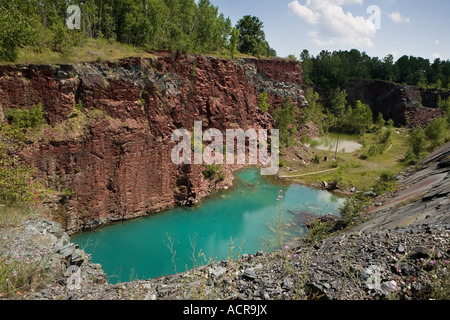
110,125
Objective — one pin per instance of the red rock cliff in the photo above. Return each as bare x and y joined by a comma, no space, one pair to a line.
117,161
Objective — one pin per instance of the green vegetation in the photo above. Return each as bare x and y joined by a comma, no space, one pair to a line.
330,70
17,185
314,111
385,151
417,142
24,119
352,169
14,215
25,273
35,30
384,143
386,183
213,171
263,101
252,39
89,49
285,118
436,131
234,41
15,181
355,119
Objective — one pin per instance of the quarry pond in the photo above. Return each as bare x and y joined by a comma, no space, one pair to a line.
252,216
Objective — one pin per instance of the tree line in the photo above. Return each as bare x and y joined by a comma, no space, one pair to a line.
188,26
331,70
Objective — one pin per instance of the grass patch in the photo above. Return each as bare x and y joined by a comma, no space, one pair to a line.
351,169
92,50
12,216
22,273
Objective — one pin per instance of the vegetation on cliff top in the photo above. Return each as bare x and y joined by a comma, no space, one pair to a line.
189,26
330,70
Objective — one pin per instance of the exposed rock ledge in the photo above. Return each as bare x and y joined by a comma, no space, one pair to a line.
401,252
110,125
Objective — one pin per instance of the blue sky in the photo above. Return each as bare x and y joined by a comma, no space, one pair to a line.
403,27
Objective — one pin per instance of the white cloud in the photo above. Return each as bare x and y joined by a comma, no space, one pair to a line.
396,17
304,12
437,56
332,25
437,42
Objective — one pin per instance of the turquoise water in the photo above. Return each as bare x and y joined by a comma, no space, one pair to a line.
242,219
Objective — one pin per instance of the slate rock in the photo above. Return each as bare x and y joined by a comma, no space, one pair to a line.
370,194
417,286
249,274
218,272
287,284
419,252
387,288
316,291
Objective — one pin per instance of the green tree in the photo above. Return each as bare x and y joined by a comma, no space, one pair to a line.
436,131
380,122
443,104
418,141
338,101
285,118
388,68
18,27
252,39
360,117
211,29
234,41
293,57
307,66
23,119
417,145
263,101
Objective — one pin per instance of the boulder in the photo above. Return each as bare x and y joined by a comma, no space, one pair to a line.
249,274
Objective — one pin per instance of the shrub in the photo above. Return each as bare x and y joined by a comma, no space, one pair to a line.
350,211
385,140
263,102
418,141
316,159
285,118
14,183
24,273
27,118
211,171
222,176
411,159
436,130
387,182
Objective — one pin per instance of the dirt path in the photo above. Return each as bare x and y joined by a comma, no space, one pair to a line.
308,174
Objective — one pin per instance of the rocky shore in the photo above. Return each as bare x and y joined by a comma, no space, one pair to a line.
405,263
400,251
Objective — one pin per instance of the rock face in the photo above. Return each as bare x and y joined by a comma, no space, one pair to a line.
406,105
118,164
423,197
